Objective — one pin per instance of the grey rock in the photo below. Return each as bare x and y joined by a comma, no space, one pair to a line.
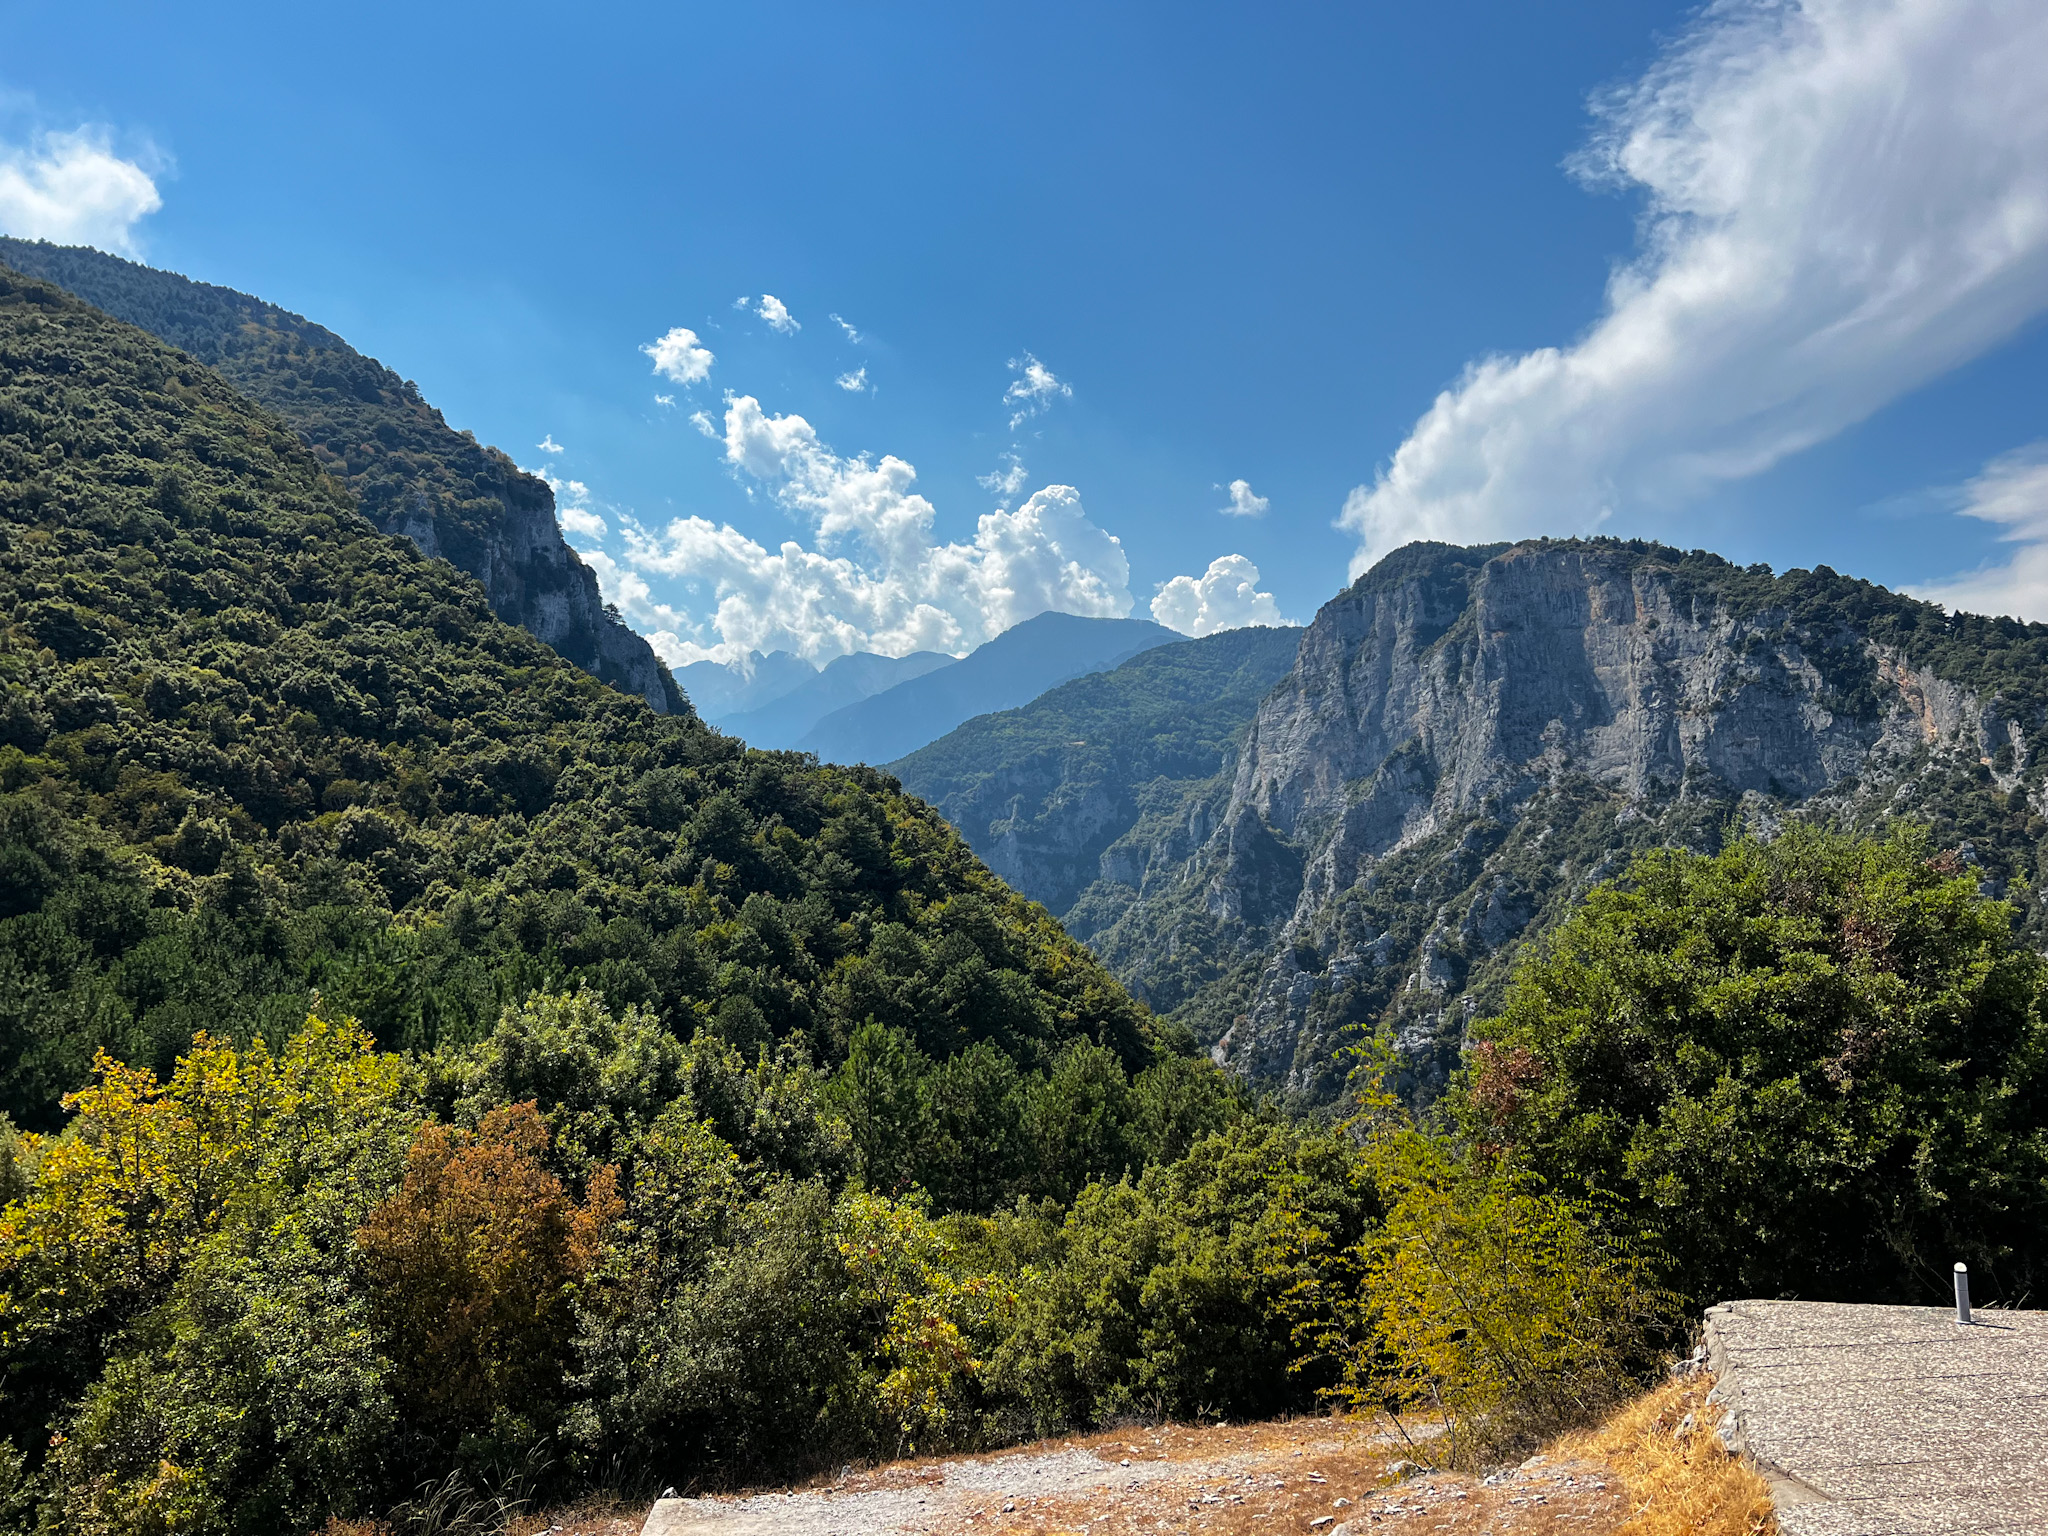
1470,740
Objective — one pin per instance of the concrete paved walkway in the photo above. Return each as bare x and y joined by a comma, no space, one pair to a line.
1888,1421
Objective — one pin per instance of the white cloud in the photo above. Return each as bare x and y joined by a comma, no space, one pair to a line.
680,356
1005,482
847,326
1845,199
581,520
1033,390
1243,503
664,399
2013,492
547,444
72,188
1226,596
702,421
877,579
855,382
777,314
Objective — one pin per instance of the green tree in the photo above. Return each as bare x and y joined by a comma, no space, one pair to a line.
1814,1066
877,1092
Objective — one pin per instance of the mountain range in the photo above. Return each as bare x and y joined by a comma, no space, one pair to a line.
1013,668
1464,743
786,716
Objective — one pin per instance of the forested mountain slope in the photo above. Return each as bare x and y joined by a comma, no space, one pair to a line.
1046,793
412,473
254,750
1470,739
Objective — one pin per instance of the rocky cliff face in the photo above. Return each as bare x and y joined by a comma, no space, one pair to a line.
412,473
1470,739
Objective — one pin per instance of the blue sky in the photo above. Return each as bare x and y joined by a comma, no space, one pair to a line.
1764,279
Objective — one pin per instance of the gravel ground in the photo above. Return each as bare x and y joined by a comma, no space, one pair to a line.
1320,1476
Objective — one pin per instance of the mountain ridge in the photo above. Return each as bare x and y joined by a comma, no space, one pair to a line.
1471,738
413,474
1041,792
845,680
1011,669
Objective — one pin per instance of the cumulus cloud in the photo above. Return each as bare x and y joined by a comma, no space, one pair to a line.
1005,481
702,421
877,579
777,314
547,444
855,382
1033,390
1845,199
1243,503
680,356
847,326
2012,492
572,505
1226,596
581,521
72,188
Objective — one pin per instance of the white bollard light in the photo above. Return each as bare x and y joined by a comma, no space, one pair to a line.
1962,1293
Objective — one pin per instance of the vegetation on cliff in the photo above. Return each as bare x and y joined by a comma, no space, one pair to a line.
410,471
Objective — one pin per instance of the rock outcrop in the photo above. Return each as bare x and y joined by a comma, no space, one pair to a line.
1471,738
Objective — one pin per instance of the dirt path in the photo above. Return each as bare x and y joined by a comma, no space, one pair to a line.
1320,1476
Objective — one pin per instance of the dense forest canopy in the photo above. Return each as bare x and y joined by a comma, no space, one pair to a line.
255,750
410,471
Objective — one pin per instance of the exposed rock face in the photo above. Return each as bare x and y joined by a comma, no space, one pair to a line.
412,473
1471,738
531,576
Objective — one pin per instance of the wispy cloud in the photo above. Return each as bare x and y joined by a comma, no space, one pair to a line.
1033,390
855,382
1845,199
680,356
847,326
1005,482
2012,491
664,399
1226,596
547,444
1243,503
777,314
72,188
876,578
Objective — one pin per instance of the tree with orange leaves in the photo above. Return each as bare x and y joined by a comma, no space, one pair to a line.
475,1261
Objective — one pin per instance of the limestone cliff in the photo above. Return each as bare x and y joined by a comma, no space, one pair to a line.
1470,738
412,473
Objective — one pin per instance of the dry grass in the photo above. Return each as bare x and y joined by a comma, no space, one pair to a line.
1678,1484
1633,1475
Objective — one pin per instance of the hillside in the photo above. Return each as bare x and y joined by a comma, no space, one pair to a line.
1042,792
1012,669
412,473
1471,739
253,751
